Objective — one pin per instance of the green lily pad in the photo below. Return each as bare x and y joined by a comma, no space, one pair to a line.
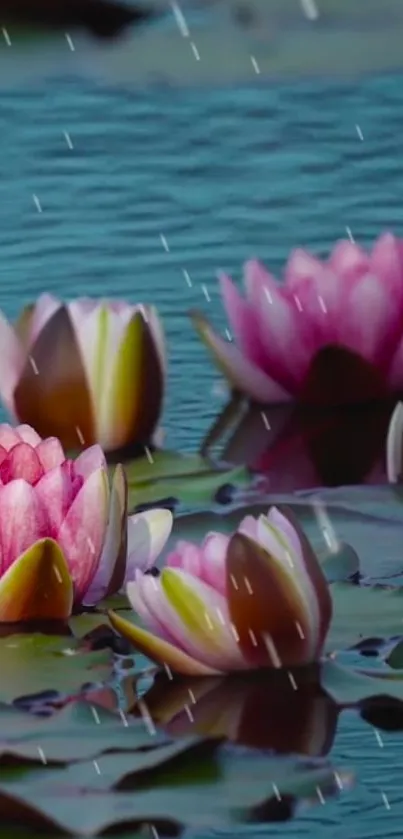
341,564
349,687
78,731
182,478
395,657
224,787
362,612
141,757
30,664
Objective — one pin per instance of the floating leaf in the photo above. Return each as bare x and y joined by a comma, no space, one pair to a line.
82,625
361,612
222,788
144,756
341,564
348,687
395,657
185,478
33,663
78,731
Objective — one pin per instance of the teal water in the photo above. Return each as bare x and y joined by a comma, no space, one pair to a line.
222,174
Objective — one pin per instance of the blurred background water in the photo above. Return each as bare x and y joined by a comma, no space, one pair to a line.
142,179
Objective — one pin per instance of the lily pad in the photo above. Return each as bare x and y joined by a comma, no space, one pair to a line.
395,657
362,612
223,788
78,731
341,564
180,478
35,663
349,687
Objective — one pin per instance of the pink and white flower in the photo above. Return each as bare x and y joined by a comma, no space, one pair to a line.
89,371
65,538
255,599
352,301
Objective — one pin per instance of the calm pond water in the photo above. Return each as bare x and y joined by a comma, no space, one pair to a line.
154,190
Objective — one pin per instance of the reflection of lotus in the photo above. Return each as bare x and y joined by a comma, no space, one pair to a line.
65,536
103,18
258,599
275,711
296,447
331,335
88,372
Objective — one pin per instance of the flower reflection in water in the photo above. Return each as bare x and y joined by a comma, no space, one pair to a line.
296,447
284,712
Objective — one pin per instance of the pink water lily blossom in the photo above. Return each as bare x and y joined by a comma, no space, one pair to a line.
88,371
65,537
256,599
351,302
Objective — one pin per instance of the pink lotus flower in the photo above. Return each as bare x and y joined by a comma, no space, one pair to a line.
256,599
332,333
90,371
65,538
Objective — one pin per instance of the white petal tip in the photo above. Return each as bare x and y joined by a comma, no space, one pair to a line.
394,445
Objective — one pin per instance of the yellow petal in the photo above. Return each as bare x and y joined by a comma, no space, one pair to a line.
162,652
118,528
132,401
204,619
37,586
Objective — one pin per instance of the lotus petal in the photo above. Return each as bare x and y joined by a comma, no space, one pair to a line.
9,436
50,453
147,535
133,398
82,533
149,618
27,434
22,461
159,650
52,393
316,575
56,492
37,586
394,446
12,361
266,607
242,374
23,325
23,521
200,621
158,335
243,322
45,307
89,461
110,573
